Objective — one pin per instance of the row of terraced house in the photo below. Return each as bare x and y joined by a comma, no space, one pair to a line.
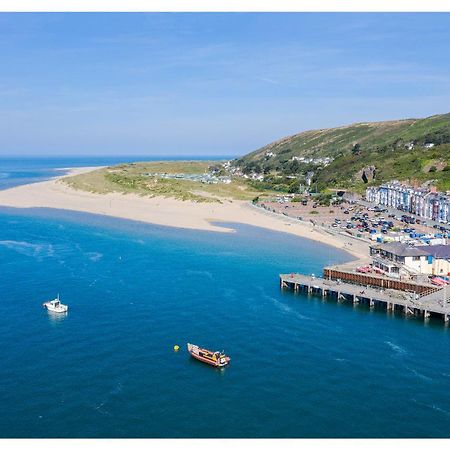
426,203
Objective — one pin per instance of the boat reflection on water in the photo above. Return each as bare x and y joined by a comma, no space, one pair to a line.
55,317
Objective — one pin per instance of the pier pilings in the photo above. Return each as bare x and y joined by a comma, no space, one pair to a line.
423,305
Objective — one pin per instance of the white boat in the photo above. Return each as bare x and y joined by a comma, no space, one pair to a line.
55,306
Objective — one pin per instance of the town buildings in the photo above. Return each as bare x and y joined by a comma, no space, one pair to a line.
316,161
426,203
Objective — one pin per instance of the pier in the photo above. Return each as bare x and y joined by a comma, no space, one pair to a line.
424,304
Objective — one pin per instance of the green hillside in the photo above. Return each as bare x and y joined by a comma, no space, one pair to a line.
396,149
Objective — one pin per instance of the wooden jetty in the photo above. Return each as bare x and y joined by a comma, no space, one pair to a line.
423,304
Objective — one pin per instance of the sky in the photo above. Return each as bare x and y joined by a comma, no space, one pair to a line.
210,84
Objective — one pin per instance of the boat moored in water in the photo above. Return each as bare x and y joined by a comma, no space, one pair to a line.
216,359
55,306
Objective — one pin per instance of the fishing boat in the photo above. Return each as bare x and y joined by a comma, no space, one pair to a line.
55,306
216,359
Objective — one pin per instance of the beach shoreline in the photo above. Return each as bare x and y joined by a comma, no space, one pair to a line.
169,212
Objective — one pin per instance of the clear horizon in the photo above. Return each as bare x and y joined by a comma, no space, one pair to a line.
209,84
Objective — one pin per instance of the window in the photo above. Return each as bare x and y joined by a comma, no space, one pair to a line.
416,258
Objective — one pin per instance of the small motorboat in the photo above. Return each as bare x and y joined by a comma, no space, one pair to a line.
55,306
216,359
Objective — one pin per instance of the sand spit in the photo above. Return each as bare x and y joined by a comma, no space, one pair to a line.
167,211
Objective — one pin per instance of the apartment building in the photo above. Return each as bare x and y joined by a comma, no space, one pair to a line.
426,203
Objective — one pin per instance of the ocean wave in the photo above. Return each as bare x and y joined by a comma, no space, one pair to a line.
202,273
102,407
286,308
28,248
433,406
418,374
397,348
94,256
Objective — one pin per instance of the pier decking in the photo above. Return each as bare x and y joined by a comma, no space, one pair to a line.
410,303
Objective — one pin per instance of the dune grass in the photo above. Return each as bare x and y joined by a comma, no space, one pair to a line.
142,179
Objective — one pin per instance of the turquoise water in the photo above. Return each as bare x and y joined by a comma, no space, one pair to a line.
301,367
17,171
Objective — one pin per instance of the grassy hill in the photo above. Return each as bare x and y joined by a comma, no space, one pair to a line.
396,149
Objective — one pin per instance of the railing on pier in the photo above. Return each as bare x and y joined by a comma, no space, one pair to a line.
365,279
427,302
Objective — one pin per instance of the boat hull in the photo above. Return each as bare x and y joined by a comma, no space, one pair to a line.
208,361
199,353
61,309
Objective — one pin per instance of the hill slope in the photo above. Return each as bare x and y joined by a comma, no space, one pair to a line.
395,149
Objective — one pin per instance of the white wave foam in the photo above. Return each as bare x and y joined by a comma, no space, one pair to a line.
433,406
202,273
28,248
418,374
94,256
397,348
286,308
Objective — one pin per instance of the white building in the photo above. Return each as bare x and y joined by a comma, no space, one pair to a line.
420,201
396,259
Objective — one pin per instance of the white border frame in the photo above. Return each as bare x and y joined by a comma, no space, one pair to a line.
224,6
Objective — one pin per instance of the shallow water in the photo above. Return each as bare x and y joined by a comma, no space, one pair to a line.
301,366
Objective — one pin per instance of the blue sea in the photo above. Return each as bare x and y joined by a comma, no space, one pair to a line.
300,366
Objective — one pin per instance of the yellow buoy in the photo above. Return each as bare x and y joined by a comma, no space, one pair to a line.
176,348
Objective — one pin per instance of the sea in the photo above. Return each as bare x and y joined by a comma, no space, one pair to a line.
300,366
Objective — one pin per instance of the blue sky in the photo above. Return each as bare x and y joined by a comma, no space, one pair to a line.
210,84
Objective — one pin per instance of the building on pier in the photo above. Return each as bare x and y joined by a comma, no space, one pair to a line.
422,301
396,259
399,276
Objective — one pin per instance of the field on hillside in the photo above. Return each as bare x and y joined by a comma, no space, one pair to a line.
411,149
147,179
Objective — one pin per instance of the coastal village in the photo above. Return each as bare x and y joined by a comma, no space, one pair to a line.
408,262
406,229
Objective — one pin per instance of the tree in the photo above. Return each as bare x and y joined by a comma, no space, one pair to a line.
251,167
356,150
294,167
294,187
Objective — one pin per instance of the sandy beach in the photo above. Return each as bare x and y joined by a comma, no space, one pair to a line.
167,211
